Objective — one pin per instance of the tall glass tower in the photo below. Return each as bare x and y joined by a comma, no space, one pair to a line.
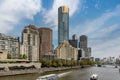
83,41
63,23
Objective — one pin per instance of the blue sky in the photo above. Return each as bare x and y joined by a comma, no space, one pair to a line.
98,19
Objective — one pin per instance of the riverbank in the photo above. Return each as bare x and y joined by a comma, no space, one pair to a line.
40,71
57,69
17,72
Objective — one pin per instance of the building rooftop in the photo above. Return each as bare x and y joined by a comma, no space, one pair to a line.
65,9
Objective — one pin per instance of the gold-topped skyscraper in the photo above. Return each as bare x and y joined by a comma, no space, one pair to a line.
63,24
65,9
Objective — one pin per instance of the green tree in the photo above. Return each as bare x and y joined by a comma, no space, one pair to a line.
24,56
64,63
68,63
43,62
60,64
49,63
9,56
83,63
20,56
54,64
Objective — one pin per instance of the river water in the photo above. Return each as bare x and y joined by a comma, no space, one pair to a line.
104,73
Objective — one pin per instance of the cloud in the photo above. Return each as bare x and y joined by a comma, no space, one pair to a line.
97,5
13,12
95,25
107,48
51,16
105,31
99,35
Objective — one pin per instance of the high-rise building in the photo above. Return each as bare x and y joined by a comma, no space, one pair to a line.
83,45
45,42
63,23
74,37
83,41
74,41
81,54
30,43
10,45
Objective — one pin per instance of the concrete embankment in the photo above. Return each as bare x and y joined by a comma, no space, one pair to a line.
19,68
50,69
41,70
17,72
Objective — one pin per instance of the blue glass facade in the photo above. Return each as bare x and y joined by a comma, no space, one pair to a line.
63,24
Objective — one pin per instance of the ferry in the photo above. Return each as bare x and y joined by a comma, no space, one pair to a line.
116,66
99,65
94,77
48,77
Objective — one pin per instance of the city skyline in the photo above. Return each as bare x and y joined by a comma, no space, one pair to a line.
97,19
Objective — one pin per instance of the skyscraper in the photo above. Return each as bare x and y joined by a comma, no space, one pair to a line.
74,37
74,41
63,23
83,41
84,45
45,39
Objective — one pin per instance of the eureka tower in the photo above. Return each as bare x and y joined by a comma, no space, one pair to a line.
63,23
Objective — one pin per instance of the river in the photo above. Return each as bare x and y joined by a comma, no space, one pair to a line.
104,73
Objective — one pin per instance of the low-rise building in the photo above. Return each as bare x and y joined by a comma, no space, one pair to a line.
65,51
3,55
10,44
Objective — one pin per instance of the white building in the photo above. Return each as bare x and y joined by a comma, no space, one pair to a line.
30,43
10,44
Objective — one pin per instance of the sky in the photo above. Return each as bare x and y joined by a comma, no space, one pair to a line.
98,19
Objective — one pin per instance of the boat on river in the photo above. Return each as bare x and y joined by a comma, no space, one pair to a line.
99,65
116,66
94,77
48,77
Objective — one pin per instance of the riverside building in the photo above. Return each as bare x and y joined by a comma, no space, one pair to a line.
9,45
30,43
63,23
65,51
45,43
83,44
74,41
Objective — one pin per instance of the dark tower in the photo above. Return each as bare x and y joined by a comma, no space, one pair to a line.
83,41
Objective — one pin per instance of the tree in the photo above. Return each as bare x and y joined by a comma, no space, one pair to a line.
43,62
54,64
9,56
49,63
60,64
20,56
24,56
